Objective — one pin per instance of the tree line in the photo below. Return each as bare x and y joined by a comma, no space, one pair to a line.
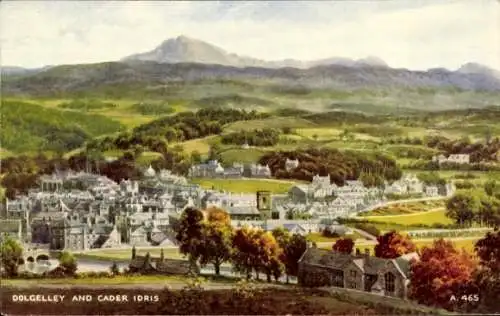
478,151
340,165
156,135
21,173
256,137
207,237
471,206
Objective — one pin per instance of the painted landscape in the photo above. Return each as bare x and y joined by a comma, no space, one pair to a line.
184,177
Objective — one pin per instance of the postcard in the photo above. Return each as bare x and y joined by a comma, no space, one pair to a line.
250,157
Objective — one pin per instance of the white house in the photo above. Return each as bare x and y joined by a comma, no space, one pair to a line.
291,164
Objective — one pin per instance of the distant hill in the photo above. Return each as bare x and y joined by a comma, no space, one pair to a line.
70,78
20,71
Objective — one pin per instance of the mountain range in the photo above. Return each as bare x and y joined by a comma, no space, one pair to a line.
183,49
186,59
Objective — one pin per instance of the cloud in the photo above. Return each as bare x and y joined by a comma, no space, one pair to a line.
411,34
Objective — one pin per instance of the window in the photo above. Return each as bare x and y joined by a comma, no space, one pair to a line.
353,273
353,285
389,282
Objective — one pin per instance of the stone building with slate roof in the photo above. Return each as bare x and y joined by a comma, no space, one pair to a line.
149,265
12,228
362,272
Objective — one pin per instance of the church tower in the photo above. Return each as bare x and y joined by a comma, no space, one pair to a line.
264,204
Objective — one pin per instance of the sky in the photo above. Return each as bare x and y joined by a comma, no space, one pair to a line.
410,34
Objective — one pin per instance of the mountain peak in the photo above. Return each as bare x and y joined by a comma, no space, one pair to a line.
476,68
372,61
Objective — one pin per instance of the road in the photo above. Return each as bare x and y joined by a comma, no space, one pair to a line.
96,265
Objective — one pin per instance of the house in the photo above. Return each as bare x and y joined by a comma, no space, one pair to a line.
299,193
212,169
259,171
459,158
291,164
12,228
149,173
362,272
431,190
235,171
148,265
453,158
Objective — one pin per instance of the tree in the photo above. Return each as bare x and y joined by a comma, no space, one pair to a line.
195,157
215,246
441,272
462,208
344,245
491,187
114,269
190,233
269,253
67,263
215,214
489,212
295,248
245,250
487,276
11,255
392,245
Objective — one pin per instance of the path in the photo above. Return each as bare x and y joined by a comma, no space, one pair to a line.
364,234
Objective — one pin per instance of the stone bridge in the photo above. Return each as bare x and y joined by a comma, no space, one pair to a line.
36,252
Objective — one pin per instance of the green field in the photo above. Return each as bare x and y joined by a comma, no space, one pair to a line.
273,122
250,155
147,157
201,145
245,185
429,218
405,208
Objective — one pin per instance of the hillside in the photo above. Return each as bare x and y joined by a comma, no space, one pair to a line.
28,127
69,78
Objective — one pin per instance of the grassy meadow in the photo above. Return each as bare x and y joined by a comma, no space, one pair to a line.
428,217
245,185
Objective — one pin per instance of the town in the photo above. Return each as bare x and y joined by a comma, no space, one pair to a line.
79,210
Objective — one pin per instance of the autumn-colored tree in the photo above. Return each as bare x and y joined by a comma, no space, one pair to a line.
190,233
293,251
441,272
217,234
487,276
215,214
344,245
245,250
392,245
269,254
